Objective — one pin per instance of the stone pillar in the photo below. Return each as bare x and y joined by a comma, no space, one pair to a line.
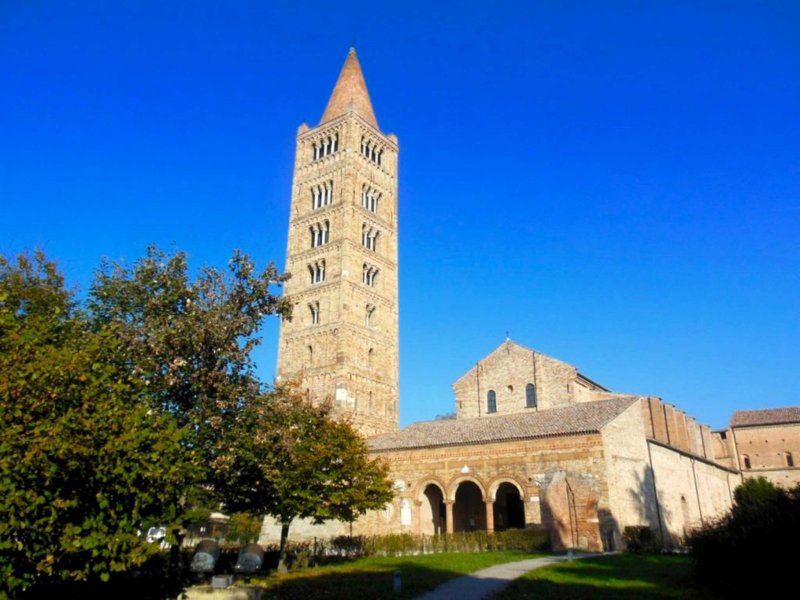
448,508
490,516
417,519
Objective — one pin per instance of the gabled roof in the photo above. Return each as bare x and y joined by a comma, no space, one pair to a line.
507,343
767,416
511,343
573,419
350,93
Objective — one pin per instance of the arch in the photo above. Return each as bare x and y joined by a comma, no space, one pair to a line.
509,507
424,483
530,396
491,401
499,480
432,512
469,508
452,487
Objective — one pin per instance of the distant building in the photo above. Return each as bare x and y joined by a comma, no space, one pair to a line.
535,443
767,444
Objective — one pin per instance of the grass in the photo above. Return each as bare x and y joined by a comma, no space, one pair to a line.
629,576
372,577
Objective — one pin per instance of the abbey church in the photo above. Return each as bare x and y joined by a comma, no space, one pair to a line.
535,443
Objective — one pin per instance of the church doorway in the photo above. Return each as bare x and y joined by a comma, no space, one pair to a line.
469,511
432,512
509,512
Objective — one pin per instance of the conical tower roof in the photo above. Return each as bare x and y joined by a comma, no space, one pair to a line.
350,93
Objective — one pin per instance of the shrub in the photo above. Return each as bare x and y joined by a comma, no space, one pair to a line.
640,538
758,536
243,528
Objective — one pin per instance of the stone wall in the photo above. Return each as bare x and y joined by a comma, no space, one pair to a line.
691,491
508,370
769,450
665,486
340,353
560,480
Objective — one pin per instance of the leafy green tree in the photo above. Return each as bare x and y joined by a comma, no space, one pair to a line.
188,341
290,458
84,462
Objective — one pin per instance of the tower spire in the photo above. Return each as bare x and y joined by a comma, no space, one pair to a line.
350,93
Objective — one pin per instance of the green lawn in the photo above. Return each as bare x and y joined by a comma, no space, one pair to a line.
369,578
629,576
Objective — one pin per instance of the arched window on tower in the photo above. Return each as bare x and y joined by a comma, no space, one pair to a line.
530,396
491,402
314,309
368,315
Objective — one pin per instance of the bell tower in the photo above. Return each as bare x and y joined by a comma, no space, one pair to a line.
342,341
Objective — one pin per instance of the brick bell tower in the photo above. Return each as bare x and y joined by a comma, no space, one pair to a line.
342,342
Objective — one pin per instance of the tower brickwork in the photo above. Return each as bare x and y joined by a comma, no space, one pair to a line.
342,342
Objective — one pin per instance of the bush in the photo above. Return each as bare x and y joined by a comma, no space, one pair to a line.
641,538
399,544
758,536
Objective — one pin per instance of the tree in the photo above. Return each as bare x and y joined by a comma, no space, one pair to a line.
84,462
189,341
290,458
755,542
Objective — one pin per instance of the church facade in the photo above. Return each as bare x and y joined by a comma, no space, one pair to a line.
534,442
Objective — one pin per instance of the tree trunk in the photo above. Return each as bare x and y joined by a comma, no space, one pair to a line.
282,568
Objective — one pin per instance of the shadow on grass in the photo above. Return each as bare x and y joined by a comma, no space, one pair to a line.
635,577
361,583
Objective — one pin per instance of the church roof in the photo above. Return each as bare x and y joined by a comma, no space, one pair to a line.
509,343
350,93
767,416
573,419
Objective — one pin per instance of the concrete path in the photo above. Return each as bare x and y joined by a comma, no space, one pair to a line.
487,582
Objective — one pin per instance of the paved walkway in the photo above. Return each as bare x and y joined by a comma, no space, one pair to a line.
486,582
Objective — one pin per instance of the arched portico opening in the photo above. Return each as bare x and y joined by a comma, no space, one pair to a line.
432,511
469,510
509,511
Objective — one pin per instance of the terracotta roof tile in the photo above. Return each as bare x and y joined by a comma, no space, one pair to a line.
586,417
349,93
767,416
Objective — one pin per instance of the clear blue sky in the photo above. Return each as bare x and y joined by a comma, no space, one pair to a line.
615,183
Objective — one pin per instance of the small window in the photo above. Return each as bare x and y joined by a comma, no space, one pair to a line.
746,461
491,402
325,146
369,274
317,271
368,315
314,309
530,396
789,459
320,233
321,195
369,237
